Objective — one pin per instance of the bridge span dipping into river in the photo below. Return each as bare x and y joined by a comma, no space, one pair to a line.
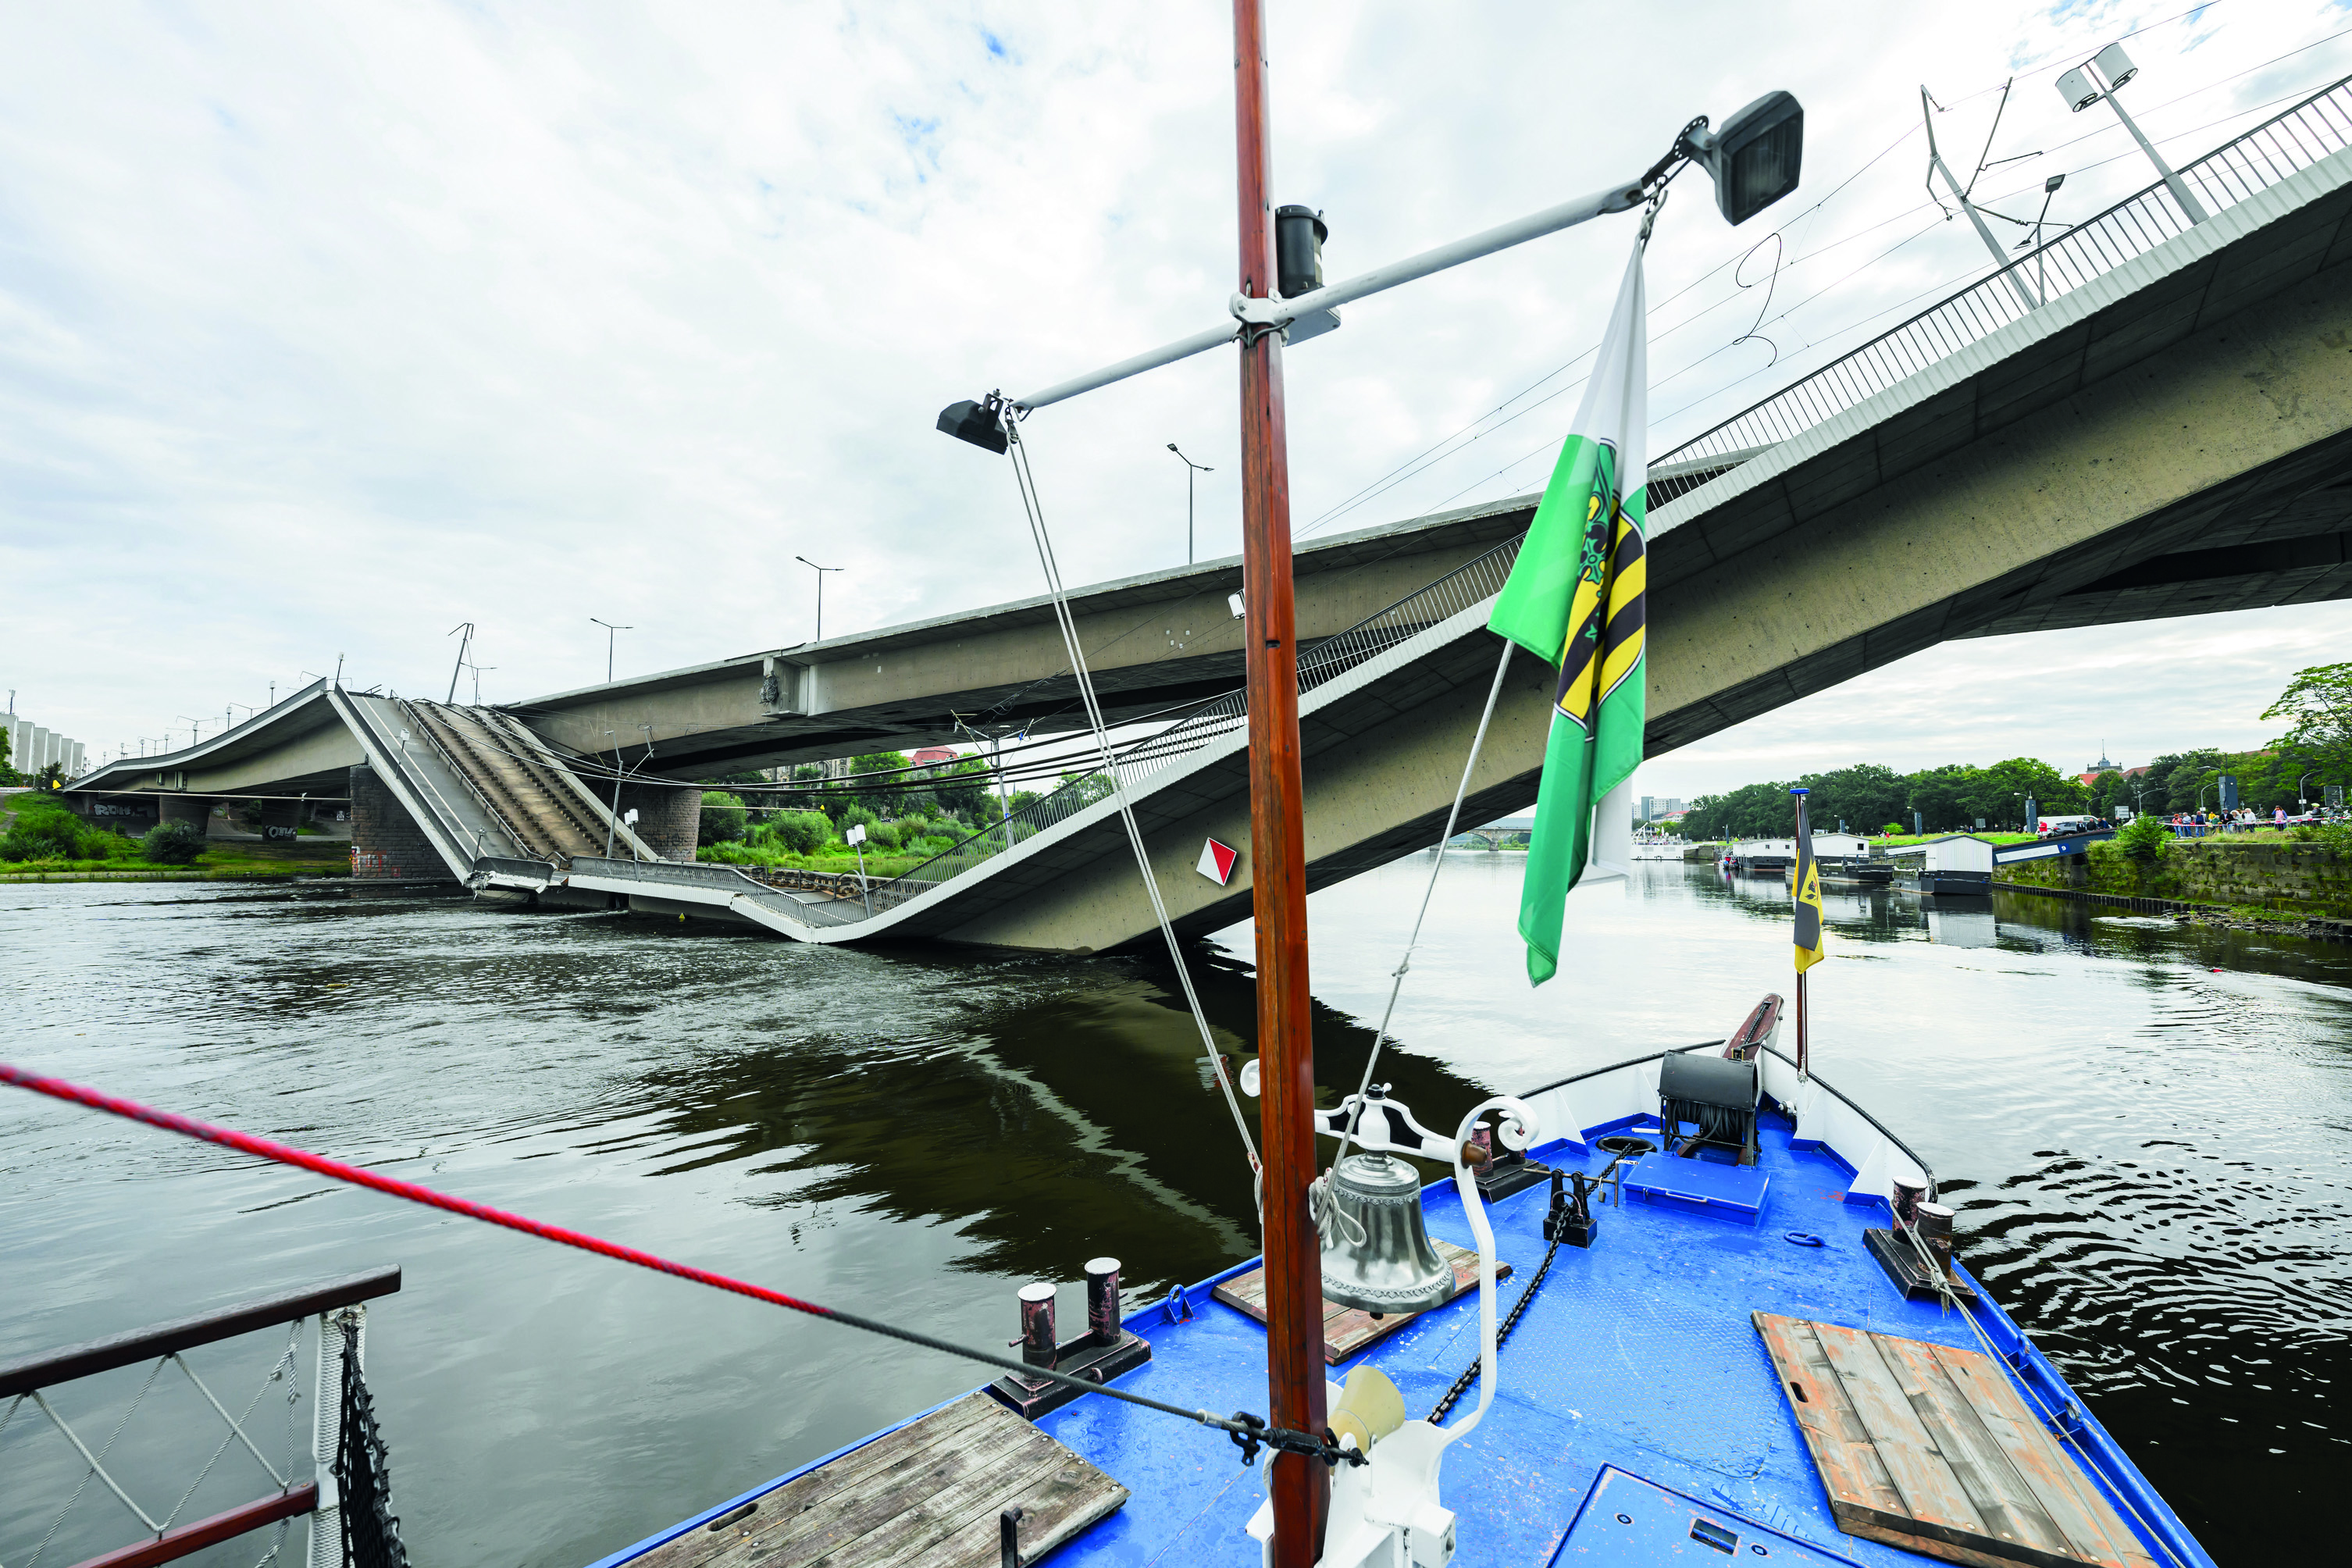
2169,433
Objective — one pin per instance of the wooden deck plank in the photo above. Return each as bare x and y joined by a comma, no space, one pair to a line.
2005,1505
2091,1528
1933,1449
779,1512
1347,1329
912,1495
1931,1494
1850,1468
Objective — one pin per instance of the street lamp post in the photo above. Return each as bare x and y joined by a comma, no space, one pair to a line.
819,572
2099,77
611,632
1190,469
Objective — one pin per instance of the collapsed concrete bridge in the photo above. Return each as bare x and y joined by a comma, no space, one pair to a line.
2170,434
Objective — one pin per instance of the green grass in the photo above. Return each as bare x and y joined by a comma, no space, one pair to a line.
1900,840
320,858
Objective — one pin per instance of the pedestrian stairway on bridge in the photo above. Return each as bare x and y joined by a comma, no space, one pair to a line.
543,806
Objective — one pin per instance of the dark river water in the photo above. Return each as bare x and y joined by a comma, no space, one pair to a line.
2145,1128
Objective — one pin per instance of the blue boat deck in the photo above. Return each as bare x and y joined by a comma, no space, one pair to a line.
1638,1353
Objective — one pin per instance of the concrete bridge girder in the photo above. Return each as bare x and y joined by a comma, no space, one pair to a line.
2196,399
1152,642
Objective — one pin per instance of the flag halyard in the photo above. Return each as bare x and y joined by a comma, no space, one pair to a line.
1577,599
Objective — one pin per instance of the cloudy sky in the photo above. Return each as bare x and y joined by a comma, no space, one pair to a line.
324,328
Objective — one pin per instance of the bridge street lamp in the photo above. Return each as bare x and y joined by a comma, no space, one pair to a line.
611,632
2099,78
819,572
1190,469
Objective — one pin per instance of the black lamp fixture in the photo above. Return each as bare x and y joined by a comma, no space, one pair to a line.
975,423
1299,236
1755,159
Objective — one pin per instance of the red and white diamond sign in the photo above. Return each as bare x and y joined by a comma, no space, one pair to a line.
1217,862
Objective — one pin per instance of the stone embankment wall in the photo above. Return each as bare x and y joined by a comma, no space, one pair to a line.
2291,876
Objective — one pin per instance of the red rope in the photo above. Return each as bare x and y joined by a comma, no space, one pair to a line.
1249,1431
286,1154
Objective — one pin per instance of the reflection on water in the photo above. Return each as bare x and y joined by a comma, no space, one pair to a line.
2149,1154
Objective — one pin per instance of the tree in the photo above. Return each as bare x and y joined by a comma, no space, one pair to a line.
1940,795
1860,794
2318,704
722,817
964,788
172,843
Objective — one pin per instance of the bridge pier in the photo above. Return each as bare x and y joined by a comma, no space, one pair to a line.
386,843
669,817
179,808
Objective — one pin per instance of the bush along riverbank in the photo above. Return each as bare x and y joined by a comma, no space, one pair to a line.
2284,882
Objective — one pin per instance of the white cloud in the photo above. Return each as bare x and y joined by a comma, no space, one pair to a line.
323,329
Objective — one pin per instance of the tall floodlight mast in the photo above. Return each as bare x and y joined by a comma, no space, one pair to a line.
1754,160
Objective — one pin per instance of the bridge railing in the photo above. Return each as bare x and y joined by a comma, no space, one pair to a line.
1472,582
2252,163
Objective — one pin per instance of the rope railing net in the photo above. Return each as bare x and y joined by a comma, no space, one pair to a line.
72,1532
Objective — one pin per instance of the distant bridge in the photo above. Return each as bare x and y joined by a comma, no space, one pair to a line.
2170,435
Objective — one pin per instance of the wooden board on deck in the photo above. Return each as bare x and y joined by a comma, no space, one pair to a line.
1347,1329
928,1493
1933,1449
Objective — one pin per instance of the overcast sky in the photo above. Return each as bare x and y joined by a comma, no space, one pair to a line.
323,329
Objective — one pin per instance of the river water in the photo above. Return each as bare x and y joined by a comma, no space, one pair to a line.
2147,1131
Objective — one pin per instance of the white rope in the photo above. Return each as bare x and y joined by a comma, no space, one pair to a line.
235,1424
1035,512
97,1461
1477,742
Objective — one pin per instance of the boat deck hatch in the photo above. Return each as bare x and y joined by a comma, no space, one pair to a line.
1734,1191
1630,1520
1930,1447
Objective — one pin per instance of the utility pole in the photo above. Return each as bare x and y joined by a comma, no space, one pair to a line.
611,632
819,572
463,632
1190,469
1298,1486
1936,162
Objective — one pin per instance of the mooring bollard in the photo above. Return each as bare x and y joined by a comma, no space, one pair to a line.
1037,1342
1102,1300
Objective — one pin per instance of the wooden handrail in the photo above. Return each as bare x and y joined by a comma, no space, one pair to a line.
28,1373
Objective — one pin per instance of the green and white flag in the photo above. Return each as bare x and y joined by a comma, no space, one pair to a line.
1575,600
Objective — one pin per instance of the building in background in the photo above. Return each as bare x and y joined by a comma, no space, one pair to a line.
31,748
1658,808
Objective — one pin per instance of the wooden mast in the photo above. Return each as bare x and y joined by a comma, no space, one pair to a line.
1298,1486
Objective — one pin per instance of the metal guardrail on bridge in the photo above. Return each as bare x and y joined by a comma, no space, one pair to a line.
2252,163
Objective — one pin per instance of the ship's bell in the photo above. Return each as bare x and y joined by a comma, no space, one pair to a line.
1376,1253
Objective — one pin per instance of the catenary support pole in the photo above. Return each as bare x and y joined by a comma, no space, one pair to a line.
1299,1488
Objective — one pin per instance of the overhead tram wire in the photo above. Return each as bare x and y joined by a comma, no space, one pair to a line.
1952,282
1431,455
1248,1432
1399,475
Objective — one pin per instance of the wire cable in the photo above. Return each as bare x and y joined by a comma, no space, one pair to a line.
1034,510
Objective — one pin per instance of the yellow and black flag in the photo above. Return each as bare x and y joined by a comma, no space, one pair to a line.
1809,892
